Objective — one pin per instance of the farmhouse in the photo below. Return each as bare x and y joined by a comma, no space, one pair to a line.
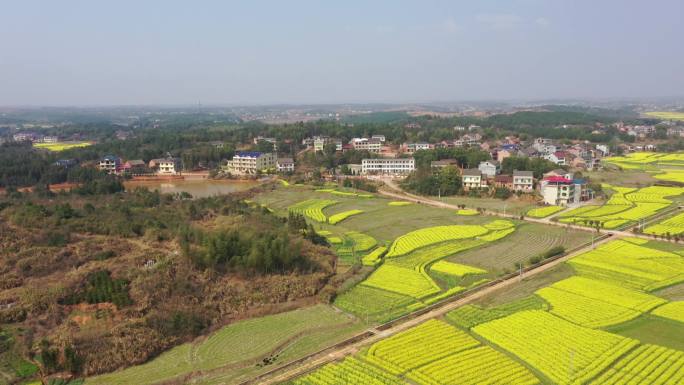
472,178
388,166
503,181
413,147
490,168
558,190
523,180
134,166
285,165
110,164
166,166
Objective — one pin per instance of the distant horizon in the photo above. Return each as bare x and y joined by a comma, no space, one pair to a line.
537,102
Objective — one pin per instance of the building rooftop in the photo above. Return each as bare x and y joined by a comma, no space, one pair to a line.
285,160
249,154
523,173
472,172
558,179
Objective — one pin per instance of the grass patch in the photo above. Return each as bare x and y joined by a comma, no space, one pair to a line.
650,329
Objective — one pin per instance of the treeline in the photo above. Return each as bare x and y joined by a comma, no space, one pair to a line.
538,166
465,157
21,165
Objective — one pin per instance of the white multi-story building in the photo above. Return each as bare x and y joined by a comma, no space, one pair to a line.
26,136
558,190
379,137
413,147
168,166
472,178
489,168
110,164
249,162
371,145
50,139
523,180
388,166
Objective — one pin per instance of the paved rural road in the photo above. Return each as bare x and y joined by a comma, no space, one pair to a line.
288,373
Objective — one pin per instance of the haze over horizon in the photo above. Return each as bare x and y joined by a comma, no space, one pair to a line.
307,52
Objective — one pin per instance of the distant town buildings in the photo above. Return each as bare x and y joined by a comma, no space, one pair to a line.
26,136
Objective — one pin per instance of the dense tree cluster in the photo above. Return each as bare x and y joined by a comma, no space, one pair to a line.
445,181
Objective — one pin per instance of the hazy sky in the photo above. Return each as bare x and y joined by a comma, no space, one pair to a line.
243,52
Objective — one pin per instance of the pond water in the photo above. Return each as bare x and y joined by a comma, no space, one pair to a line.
199,188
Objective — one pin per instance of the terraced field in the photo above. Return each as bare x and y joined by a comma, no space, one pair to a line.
662,166
543,212
313,208
238,346
672,310
406,272
564,352
671,226
626,264
646,365
625,206
337,218
536,238
434,353
554,334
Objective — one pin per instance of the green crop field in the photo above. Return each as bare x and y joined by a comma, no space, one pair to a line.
240,345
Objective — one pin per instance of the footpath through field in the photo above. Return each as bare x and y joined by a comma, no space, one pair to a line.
289,372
